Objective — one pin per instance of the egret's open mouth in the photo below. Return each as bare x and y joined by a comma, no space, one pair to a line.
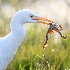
42,20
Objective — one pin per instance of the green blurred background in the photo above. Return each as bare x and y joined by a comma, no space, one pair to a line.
29,55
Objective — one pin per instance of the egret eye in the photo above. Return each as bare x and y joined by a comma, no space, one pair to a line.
31,16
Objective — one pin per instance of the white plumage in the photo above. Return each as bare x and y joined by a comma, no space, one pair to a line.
10,43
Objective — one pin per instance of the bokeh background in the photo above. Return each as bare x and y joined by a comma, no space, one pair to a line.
29,55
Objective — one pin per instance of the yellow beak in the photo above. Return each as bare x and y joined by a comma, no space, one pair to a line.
42,20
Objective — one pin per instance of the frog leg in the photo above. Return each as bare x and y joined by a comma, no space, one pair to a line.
62,35
60,27
45,44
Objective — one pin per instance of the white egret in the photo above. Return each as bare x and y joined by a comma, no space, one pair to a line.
10,43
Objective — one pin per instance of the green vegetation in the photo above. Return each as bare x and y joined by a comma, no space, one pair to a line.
30,53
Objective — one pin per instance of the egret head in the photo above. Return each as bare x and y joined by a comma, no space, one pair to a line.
25,16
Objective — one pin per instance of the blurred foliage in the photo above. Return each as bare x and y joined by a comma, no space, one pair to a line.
30,53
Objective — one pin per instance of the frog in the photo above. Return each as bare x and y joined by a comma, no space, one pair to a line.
53,27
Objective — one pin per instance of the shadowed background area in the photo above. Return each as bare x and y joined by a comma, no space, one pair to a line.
30,55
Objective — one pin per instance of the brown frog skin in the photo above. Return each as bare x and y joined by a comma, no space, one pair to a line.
53,27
